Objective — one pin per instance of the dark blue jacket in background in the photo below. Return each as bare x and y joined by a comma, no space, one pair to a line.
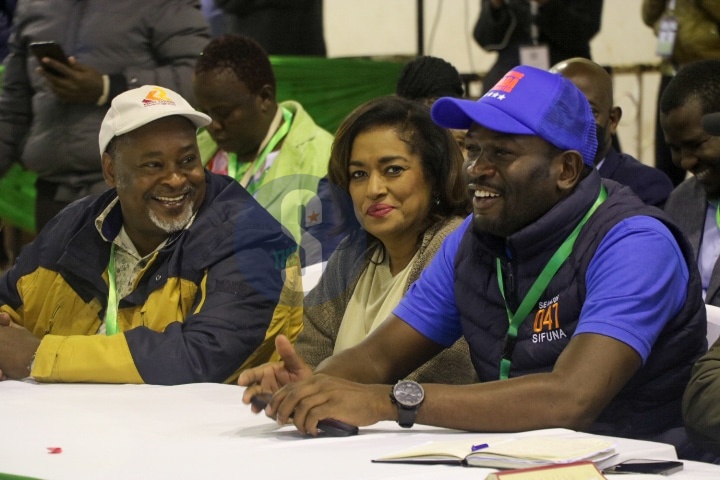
652,185
7,8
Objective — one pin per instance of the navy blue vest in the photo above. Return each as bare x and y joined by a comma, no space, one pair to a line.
650,402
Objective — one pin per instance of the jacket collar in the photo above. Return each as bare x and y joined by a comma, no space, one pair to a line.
88,243
610,163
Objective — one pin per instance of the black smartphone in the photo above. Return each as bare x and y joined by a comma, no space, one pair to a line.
51,50
656,467
329,426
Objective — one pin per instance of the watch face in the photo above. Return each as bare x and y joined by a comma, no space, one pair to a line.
408,394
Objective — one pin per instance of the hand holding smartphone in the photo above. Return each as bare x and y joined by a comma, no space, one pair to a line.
330,426
50,50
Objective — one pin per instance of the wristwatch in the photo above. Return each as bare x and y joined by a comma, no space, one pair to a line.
408,396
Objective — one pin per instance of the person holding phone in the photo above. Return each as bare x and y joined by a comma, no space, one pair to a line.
51,110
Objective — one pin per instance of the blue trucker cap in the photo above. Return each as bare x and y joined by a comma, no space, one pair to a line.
528,101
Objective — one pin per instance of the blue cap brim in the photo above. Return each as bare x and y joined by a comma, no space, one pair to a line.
461,114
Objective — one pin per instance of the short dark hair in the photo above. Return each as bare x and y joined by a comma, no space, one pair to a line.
115,144
429,78
700,80
440,157
243,56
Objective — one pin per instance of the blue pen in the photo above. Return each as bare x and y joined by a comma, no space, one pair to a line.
480,446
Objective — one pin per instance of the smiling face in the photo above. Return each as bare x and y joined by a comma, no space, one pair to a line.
159,178
388,187
692,149
514,179
240,119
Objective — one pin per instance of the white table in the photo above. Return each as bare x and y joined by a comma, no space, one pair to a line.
204,431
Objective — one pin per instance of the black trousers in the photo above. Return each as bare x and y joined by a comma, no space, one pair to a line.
46,207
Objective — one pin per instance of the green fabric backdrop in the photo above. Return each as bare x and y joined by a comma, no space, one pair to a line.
330,88
327,88
17,194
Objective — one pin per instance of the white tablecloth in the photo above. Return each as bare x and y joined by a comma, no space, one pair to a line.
204,431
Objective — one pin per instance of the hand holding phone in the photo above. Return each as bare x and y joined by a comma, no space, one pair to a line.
50,50
329,426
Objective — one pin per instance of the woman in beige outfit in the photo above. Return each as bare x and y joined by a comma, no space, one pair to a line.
404,176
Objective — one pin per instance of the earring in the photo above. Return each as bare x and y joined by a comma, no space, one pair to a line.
437,200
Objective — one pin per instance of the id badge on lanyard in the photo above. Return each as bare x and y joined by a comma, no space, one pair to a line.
666,36
536,55
667,32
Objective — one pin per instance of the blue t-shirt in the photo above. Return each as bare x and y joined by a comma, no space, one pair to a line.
630,301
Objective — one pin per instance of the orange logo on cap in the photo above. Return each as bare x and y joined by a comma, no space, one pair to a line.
509,81
157,96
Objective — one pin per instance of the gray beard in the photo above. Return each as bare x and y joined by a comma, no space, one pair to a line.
172,226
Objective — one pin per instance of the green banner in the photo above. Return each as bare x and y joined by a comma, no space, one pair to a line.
10,476
330,88
17,194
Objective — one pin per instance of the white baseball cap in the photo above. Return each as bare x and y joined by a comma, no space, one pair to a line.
137,107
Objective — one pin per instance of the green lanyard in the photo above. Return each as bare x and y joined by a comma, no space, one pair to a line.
111,327
539,286
717,215
238,171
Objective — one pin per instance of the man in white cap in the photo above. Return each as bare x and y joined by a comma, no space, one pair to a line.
170,277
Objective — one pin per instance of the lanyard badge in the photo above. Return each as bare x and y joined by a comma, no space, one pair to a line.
539,286
111,312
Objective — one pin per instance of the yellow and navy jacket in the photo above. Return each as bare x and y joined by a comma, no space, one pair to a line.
205,306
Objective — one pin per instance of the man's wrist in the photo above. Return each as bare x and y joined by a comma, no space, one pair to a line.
387,410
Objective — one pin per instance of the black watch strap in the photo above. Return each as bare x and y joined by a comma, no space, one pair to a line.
406,416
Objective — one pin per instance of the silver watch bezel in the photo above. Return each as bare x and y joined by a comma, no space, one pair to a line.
405,398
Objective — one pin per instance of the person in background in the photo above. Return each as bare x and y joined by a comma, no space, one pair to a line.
650,184
539,33
687,31
274,150
692,93
701,403
7,9
50,112
403,174
281,27
215,17
427,78
604,338
169,277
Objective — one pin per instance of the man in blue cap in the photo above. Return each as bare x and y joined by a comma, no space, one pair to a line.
579,303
